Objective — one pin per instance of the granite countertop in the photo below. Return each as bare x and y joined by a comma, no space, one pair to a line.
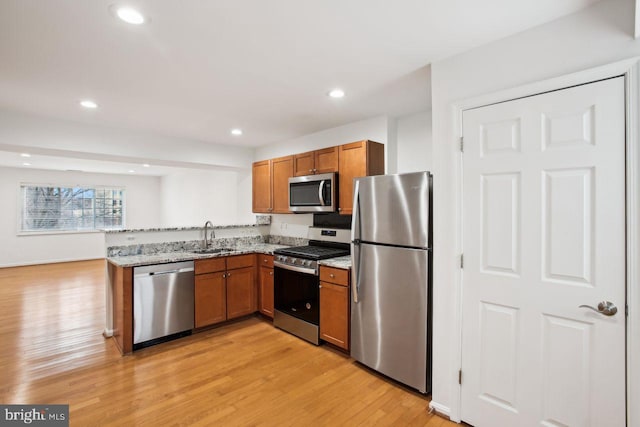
162,258
343,262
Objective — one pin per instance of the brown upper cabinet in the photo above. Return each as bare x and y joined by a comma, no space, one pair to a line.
271,185
357,159
316,162
262,192
354,160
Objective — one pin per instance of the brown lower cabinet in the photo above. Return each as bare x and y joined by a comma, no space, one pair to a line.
210,299
334,306
241,292
225,288
265,285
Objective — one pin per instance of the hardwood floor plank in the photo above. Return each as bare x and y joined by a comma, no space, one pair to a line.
246,373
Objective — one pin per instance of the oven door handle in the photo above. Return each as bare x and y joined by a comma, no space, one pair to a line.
305,270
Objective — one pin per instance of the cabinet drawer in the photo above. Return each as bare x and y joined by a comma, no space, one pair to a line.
265,260
240,261
334,275
210,265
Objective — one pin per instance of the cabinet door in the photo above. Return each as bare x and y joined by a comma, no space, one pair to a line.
361,158
210,299
304,164
262,199
241,292
353,164
326,160
265,291
334,314
282,170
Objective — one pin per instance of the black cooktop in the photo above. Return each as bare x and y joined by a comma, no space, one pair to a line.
313,252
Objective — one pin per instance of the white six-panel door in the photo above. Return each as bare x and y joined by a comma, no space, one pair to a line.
543,233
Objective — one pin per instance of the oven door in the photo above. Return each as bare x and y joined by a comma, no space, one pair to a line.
297,294
313,193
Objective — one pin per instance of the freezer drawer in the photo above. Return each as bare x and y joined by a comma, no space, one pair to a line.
390,320
163,301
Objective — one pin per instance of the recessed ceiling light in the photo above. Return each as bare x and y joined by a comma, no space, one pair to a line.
236,131
26,164
87,103
132,171
336,93
130,15
25,155
146,165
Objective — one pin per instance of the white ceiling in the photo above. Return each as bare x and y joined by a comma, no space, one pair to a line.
13,159
202,67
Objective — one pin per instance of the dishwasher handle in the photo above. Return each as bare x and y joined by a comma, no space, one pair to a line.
160,273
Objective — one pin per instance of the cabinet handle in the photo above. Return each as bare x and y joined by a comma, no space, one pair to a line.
271,273
319,286
332,275
224,275
265,260
228,274
315,170
310,170
339,209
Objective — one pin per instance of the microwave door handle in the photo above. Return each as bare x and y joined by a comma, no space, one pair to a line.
321,193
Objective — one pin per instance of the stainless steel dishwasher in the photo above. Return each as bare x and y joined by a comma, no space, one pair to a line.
162,302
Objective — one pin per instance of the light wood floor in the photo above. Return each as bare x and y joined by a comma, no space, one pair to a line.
246,373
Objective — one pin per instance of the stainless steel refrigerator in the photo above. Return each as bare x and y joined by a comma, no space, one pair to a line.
391,276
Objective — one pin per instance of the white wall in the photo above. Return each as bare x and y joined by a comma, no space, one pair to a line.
291,225
190,198
414,142
374,129
601,34
142,210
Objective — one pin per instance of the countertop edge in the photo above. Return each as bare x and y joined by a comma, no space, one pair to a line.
343,262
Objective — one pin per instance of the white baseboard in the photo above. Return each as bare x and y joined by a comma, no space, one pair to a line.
440,409
107,333
48,261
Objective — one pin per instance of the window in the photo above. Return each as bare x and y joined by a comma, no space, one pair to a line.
71,208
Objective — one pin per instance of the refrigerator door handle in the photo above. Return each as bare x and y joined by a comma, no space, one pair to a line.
355,246
355,229
355,241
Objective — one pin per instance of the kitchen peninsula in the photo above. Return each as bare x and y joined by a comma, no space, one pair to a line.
237,271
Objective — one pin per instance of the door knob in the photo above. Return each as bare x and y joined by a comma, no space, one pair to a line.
604,307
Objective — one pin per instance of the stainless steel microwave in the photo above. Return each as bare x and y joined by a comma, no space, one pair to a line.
313,193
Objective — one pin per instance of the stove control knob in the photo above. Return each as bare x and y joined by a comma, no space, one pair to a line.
307,263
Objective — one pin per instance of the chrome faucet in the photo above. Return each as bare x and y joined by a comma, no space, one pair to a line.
205,242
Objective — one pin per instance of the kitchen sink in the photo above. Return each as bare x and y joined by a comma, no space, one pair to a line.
211,250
